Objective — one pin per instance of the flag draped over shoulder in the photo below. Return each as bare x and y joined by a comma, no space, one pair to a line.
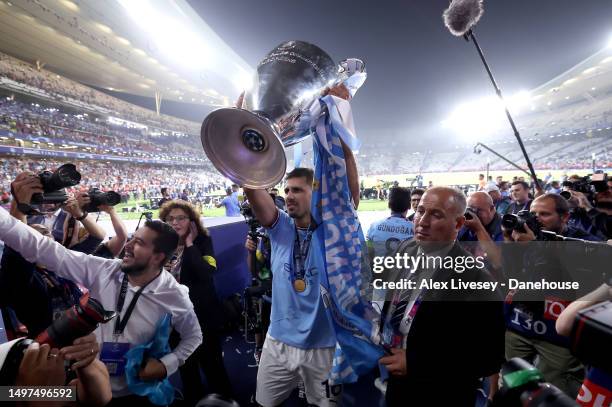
345,281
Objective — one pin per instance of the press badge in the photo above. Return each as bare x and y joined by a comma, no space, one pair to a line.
113,356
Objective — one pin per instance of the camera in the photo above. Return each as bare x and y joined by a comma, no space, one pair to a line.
524,386
594,182
249,216
54,182
97,197
517,222
79,320
470,214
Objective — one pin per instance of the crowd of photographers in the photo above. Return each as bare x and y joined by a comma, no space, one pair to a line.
59,279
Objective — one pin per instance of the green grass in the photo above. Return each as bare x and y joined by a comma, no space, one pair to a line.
364,206
373,205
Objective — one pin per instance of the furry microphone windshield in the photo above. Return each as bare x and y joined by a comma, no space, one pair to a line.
462,15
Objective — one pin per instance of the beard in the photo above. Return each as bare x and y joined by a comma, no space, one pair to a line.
134,269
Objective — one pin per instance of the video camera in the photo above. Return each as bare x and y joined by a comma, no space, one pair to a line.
98,198
53,184
587,185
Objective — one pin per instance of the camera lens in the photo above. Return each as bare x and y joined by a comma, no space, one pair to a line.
509,221
566,194
67,175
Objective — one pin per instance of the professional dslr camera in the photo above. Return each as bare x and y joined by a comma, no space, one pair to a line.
79,320
53,184
470,214
587,185
517,222
97,197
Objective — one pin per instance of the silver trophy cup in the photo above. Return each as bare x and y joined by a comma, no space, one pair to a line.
248,145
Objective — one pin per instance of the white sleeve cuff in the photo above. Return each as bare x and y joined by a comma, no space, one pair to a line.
171,362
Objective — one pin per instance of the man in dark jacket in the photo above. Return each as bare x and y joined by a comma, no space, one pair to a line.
441,335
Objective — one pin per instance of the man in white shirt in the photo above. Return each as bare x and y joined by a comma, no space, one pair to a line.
153,291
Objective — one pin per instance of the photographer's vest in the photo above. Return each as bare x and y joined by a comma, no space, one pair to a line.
536,324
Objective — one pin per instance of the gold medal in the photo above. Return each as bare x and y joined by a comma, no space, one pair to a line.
299,285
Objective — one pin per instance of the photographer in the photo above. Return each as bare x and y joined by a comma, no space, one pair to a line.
115,245
64,224
23,187
42,366
75,238
552,212
193,264
482,225
137,281
258,260
530,324
593,220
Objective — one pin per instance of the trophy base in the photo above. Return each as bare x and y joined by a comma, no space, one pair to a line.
244,147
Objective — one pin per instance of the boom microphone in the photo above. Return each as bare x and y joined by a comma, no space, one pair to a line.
459,18
462,15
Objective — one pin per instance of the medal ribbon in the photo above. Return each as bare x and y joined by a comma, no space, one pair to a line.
300,254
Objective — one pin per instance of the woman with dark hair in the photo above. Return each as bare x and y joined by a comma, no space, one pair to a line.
193,265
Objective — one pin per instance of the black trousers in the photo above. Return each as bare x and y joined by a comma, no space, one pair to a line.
442,393
208,357
130,401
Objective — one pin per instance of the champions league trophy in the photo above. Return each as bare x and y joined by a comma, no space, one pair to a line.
248,145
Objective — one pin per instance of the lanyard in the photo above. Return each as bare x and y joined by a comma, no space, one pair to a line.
300,252
121,323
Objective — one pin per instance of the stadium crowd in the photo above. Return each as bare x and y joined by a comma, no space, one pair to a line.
55,87
35,126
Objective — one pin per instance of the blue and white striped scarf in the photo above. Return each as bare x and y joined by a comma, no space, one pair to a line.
347,276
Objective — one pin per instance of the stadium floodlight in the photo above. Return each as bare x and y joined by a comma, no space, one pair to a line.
170,36
482,117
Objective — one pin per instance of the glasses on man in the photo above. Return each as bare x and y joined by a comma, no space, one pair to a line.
180,218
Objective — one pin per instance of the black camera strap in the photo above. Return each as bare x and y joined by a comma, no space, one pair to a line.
120,323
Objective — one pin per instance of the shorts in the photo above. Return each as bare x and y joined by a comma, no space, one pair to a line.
282,366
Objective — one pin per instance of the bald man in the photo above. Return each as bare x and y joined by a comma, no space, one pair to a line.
482,225
440,338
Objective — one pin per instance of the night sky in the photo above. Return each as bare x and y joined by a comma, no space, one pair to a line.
417,71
